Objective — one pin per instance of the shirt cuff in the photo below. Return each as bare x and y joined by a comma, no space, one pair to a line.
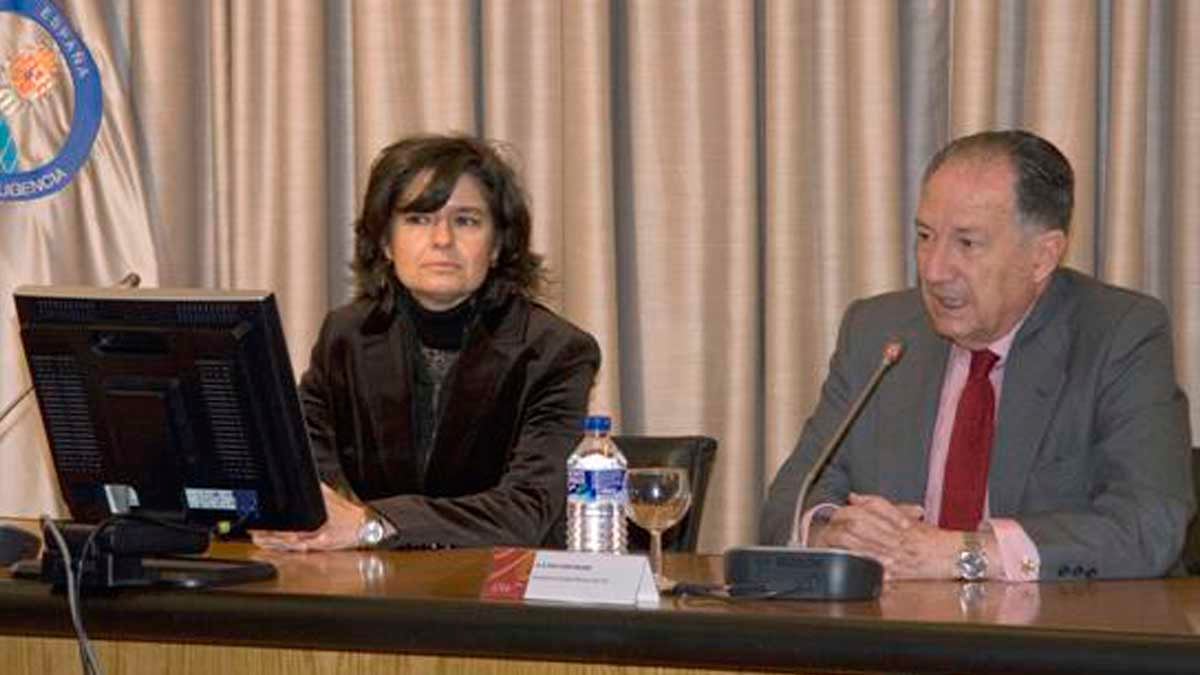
1019,558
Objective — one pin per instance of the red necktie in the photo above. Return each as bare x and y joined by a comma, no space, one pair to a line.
965,483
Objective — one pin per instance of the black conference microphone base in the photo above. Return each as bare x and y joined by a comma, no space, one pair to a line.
785,573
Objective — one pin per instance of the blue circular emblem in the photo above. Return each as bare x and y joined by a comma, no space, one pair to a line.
25,80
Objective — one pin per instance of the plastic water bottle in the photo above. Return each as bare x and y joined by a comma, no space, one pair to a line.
596,492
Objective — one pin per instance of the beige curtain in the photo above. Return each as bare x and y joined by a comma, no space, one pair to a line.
712,180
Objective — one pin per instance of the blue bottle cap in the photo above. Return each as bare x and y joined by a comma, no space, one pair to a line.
597,423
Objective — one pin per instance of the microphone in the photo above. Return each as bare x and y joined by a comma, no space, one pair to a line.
892,351
791,572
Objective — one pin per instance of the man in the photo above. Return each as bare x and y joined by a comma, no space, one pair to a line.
1033,428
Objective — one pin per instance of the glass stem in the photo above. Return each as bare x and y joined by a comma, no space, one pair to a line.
656,552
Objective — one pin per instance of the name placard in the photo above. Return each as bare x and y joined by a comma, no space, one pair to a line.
563,576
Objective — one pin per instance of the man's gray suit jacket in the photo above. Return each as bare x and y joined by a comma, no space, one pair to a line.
1092,452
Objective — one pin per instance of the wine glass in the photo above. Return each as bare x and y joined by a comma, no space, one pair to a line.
658,498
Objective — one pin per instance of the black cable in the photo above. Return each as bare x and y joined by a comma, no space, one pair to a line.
161,522
218,529
682,589
732,591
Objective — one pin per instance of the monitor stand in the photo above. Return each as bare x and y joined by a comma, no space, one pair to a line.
138,554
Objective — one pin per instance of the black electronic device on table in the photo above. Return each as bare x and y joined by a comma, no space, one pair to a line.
170,413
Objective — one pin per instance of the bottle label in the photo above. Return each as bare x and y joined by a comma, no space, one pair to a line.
594,486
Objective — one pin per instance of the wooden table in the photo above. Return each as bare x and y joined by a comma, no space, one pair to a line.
397,612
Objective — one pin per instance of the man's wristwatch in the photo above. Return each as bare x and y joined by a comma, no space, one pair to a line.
972,562
371,532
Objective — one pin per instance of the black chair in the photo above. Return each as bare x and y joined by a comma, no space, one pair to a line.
695,453
1191,546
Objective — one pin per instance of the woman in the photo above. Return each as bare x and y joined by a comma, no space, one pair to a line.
443,400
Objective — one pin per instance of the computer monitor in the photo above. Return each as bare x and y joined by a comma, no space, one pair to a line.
175,406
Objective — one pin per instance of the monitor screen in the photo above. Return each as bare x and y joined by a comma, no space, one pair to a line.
175,403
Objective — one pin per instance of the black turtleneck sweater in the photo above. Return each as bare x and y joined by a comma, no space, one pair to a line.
438,339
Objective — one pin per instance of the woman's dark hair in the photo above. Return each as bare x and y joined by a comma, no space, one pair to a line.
446,158
1045,183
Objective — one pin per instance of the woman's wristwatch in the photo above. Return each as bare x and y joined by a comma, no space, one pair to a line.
373,530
